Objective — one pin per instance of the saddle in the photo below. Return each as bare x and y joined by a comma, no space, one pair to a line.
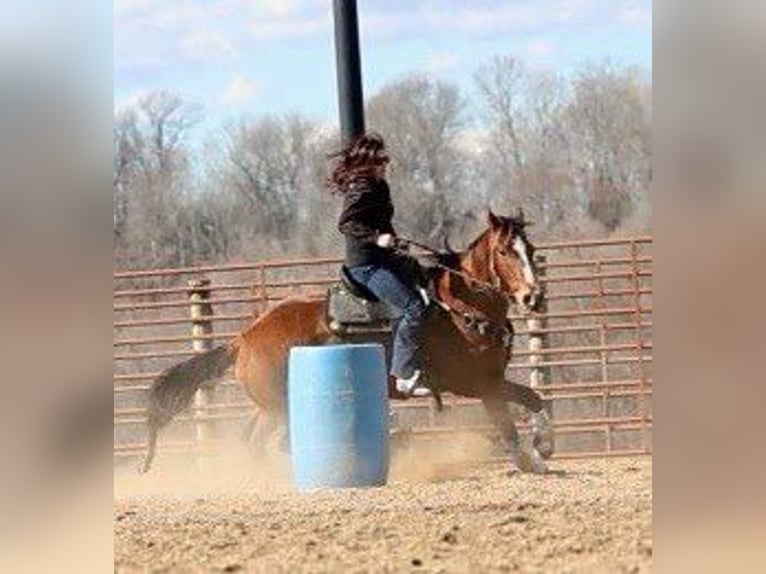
351,307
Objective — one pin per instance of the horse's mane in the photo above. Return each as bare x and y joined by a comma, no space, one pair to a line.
452,258
516,224
449,259
472,245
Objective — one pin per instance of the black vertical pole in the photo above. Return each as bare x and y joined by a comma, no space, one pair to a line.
349,70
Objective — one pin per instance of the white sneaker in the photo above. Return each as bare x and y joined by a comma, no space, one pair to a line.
413,386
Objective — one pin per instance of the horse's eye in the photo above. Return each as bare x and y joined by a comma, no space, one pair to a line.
502,251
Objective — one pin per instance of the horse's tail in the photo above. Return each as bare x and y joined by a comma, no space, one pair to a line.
173,390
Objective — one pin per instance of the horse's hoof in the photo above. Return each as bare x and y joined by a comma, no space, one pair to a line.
542,434
543,447
528,462
536,463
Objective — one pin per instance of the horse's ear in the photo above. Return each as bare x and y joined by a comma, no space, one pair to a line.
522,219
493,220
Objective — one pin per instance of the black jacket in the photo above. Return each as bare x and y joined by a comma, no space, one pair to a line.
367,212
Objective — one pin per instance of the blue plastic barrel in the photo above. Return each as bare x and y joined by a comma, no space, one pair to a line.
338,416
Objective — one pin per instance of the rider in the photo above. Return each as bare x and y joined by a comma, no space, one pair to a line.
359,175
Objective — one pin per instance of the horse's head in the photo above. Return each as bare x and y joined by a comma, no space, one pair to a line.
510,259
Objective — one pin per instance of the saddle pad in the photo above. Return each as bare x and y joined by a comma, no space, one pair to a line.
346,309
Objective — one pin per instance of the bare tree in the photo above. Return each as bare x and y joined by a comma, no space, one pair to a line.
267,170
546,185
525,158
123,165
151,179
565,154
576,155
420,119
502,85
609,141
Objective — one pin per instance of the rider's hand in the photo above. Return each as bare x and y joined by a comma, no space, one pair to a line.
386,240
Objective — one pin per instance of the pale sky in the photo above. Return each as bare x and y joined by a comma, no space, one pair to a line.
275,56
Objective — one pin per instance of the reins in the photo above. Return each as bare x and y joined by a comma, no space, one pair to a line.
483,284
483,326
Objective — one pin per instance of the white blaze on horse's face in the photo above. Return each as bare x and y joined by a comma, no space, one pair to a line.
526,297
520,247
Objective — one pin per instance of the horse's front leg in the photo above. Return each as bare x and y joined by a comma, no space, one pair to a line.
542,427
500,415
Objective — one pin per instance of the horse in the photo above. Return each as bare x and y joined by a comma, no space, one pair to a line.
473,287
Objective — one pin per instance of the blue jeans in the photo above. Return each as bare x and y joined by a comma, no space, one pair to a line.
408,331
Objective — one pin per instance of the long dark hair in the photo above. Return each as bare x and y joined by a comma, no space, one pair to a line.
358,160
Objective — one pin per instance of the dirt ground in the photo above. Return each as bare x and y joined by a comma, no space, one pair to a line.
436,514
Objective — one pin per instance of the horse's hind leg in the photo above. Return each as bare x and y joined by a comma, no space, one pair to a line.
151,445
500,416
259,432
269,433
249,434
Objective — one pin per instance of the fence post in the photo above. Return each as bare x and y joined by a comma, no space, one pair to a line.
264,297
538,337
636,280
201,312
603,341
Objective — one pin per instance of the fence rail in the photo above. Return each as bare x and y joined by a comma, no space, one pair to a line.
589,352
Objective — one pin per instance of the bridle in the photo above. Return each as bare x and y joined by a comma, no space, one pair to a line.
474,321
493,287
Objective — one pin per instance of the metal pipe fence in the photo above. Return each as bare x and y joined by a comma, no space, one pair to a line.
589,353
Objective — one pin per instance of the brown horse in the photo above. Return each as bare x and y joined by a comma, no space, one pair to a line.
480,282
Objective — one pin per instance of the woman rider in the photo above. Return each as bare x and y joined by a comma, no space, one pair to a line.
359,175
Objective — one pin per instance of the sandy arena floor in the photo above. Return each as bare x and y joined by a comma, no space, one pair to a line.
591,516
